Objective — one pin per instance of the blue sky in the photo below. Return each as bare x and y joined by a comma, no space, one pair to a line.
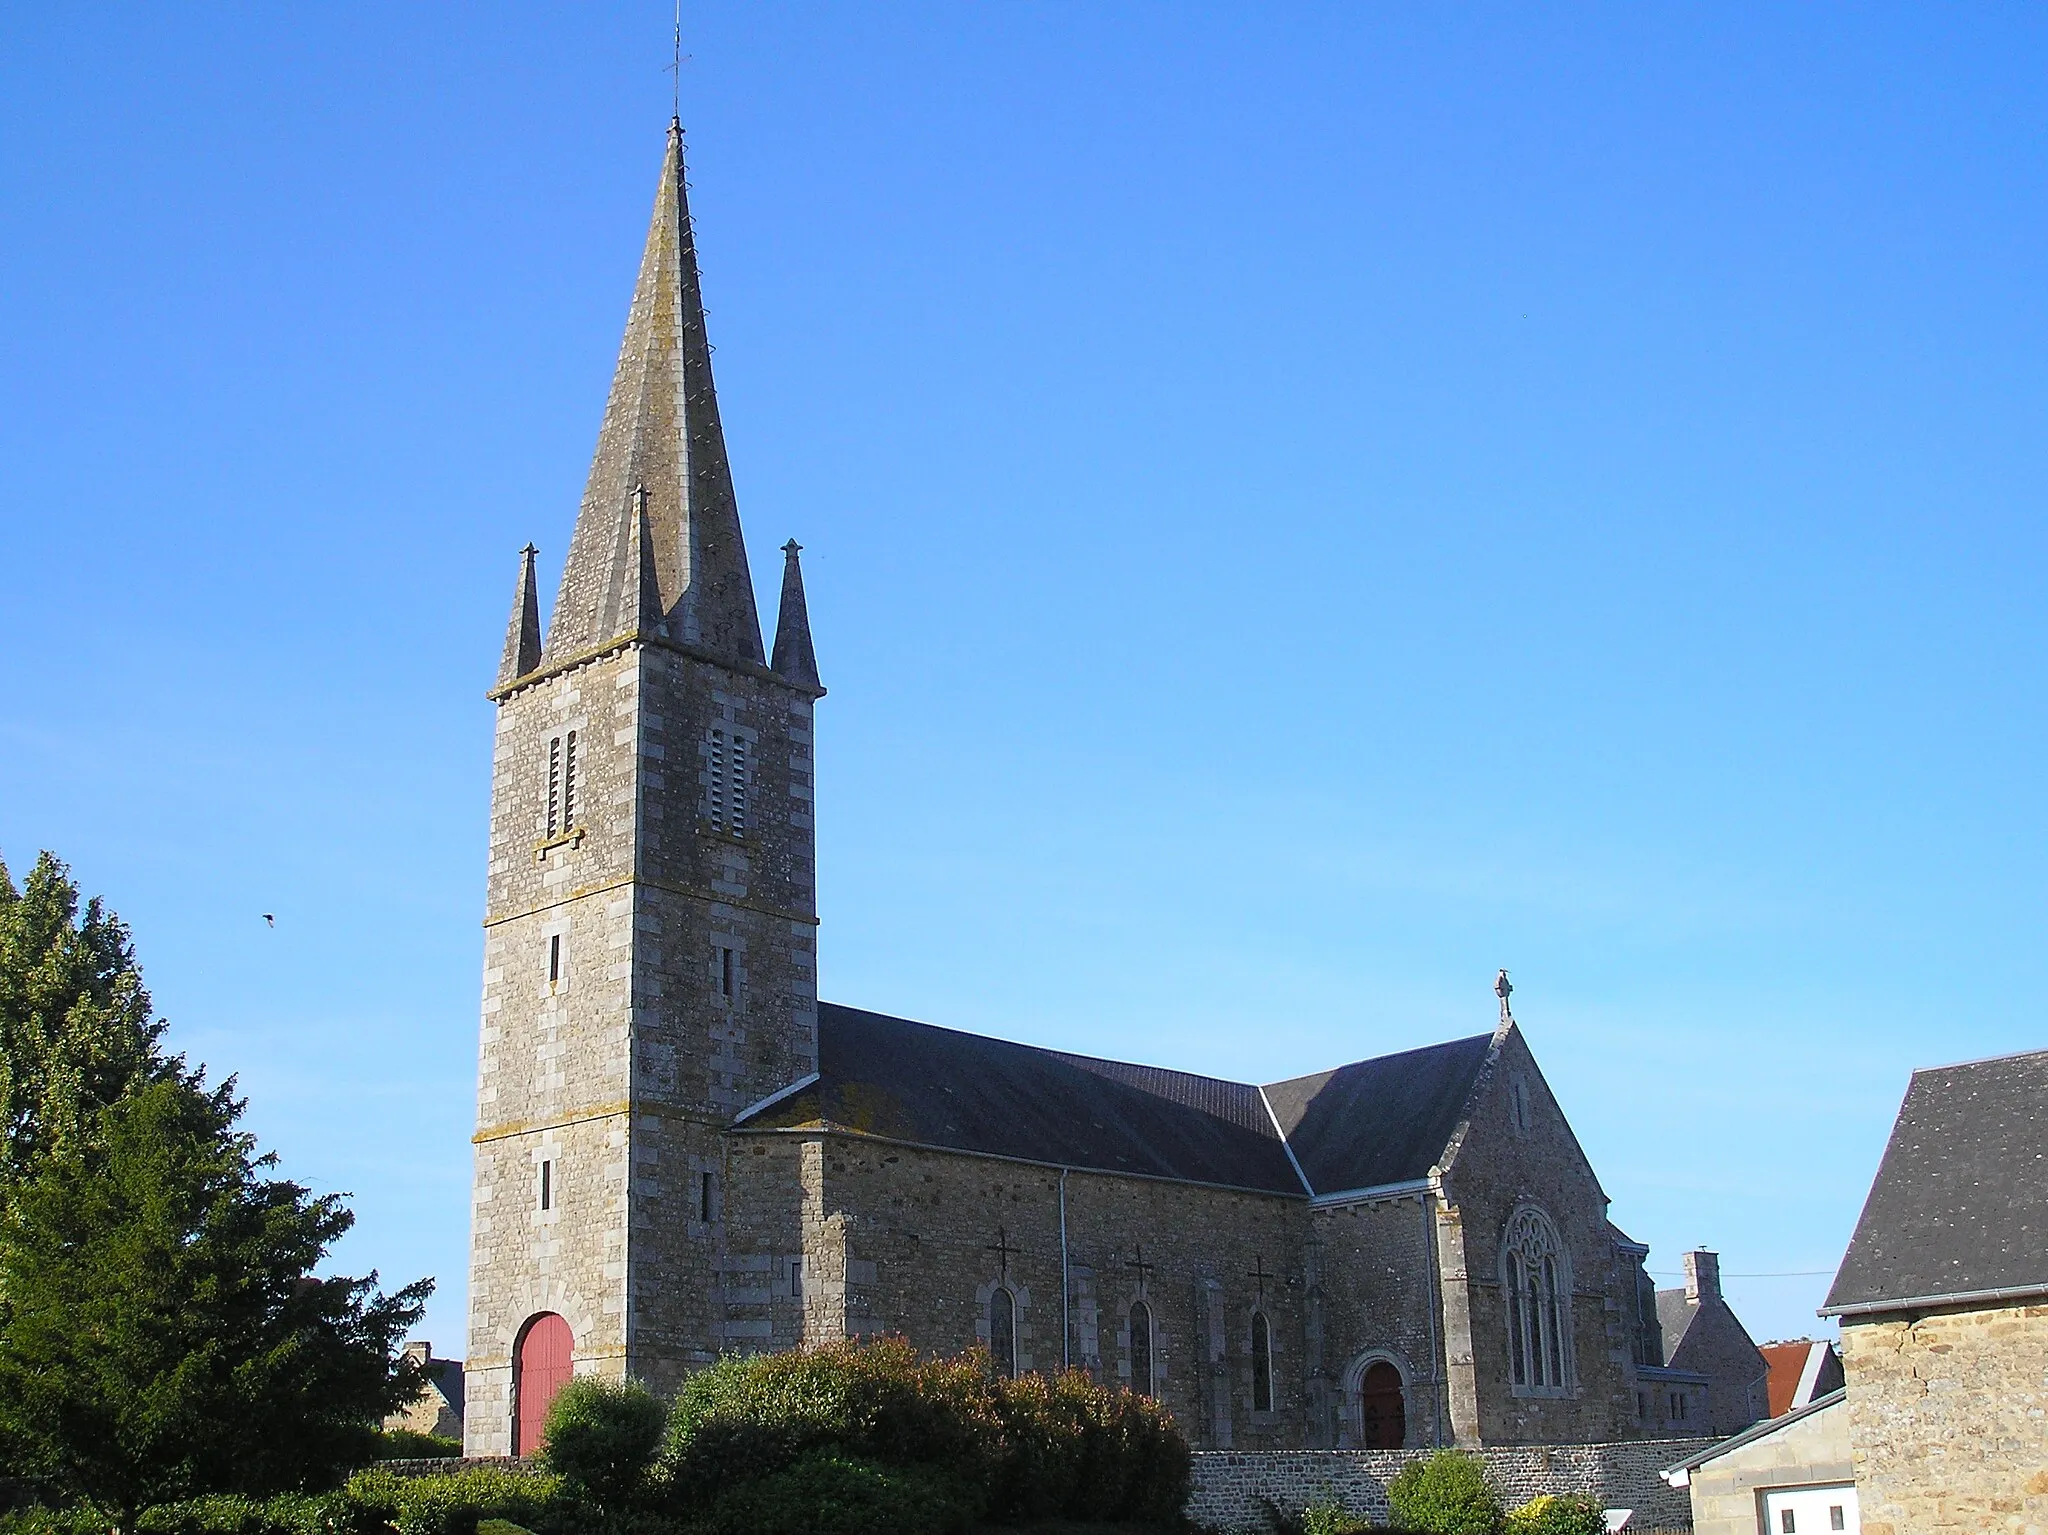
1303,506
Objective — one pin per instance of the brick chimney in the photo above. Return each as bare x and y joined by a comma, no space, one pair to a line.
1702,1275
423,1351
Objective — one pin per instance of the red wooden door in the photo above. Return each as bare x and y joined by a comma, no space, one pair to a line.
1381,1412
539,1369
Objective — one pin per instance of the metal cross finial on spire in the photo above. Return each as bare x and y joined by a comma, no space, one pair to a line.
1504,988
676,68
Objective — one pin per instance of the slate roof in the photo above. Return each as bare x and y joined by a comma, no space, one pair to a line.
1959,1208
914,1082
1380,1121
1675,1314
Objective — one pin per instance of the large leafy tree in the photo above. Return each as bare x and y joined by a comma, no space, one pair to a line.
76,1031
162,1334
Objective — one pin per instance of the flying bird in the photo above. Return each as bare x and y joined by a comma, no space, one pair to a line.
267,917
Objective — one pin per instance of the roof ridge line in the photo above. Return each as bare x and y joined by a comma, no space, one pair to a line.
1292,1160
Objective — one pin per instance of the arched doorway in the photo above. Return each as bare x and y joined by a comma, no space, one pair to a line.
1382,1415
541,1364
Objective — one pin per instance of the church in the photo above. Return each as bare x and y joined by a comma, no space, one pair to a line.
681,1152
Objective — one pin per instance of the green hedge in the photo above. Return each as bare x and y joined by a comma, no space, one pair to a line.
1040,1447
861,1438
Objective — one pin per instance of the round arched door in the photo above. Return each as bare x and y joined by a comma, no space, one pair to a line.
541,1365
1382,1415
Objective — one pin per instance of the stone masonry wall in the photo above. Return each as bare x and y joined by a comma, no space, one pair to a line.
1233,1490
1501,1163
552,1078
622,1071
1374,1299
912,1241
1949,1418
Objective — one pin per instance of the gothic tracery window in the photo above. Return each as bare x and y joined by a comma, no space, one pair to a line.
1536,1293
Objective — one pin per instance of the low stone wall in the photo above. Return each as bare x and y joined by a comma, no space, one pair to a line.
1234,1489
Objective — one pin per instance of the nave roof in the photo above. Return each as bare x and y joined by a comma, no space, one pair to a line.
1372,1123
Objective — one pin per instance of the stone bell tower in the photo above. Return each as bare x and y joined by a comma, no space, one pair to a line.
651,904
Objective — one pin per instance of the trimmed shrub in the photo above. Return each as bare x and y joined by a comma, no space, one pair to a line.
37,1520
226,1514
1038,1447
1076,1449
1571,1513
1445,1494
749,1417
454,1504
836,1495
602,1436
1330,1519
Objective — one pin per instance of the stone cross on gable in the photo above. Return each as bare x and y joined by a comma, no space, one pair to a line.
1002,1249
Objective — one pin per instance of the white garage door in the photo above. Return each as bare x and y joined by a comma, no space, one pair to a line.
1811,1510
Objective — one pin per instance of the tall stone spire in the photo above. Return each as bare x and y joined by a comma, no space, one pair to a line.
794,657
660,433
522,634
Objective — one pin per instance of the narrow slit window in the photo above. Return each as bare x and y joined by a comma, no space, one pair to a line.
547,1184
704,1200
554,958
725,969
1002,1332
1262,1363
796,1277
1141,1348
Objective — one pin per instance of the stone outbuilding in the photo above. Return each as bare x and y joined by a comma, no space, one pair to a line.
1943,1301
437,1409
1713,1376
1791,1475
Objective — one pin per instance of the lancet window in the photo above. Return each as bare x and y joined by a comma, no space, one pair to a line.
1002,1331
1262,1363
1142,1379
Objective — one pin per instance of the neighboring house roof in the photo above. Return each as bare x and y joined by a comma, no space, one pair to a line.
1958,1211
1678,1475
1370,1123
1800,1371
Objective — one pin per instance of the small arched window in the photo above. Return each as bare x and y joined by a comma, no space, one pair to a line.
1262,1363
1002,1331
1536,1290
1141,1348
